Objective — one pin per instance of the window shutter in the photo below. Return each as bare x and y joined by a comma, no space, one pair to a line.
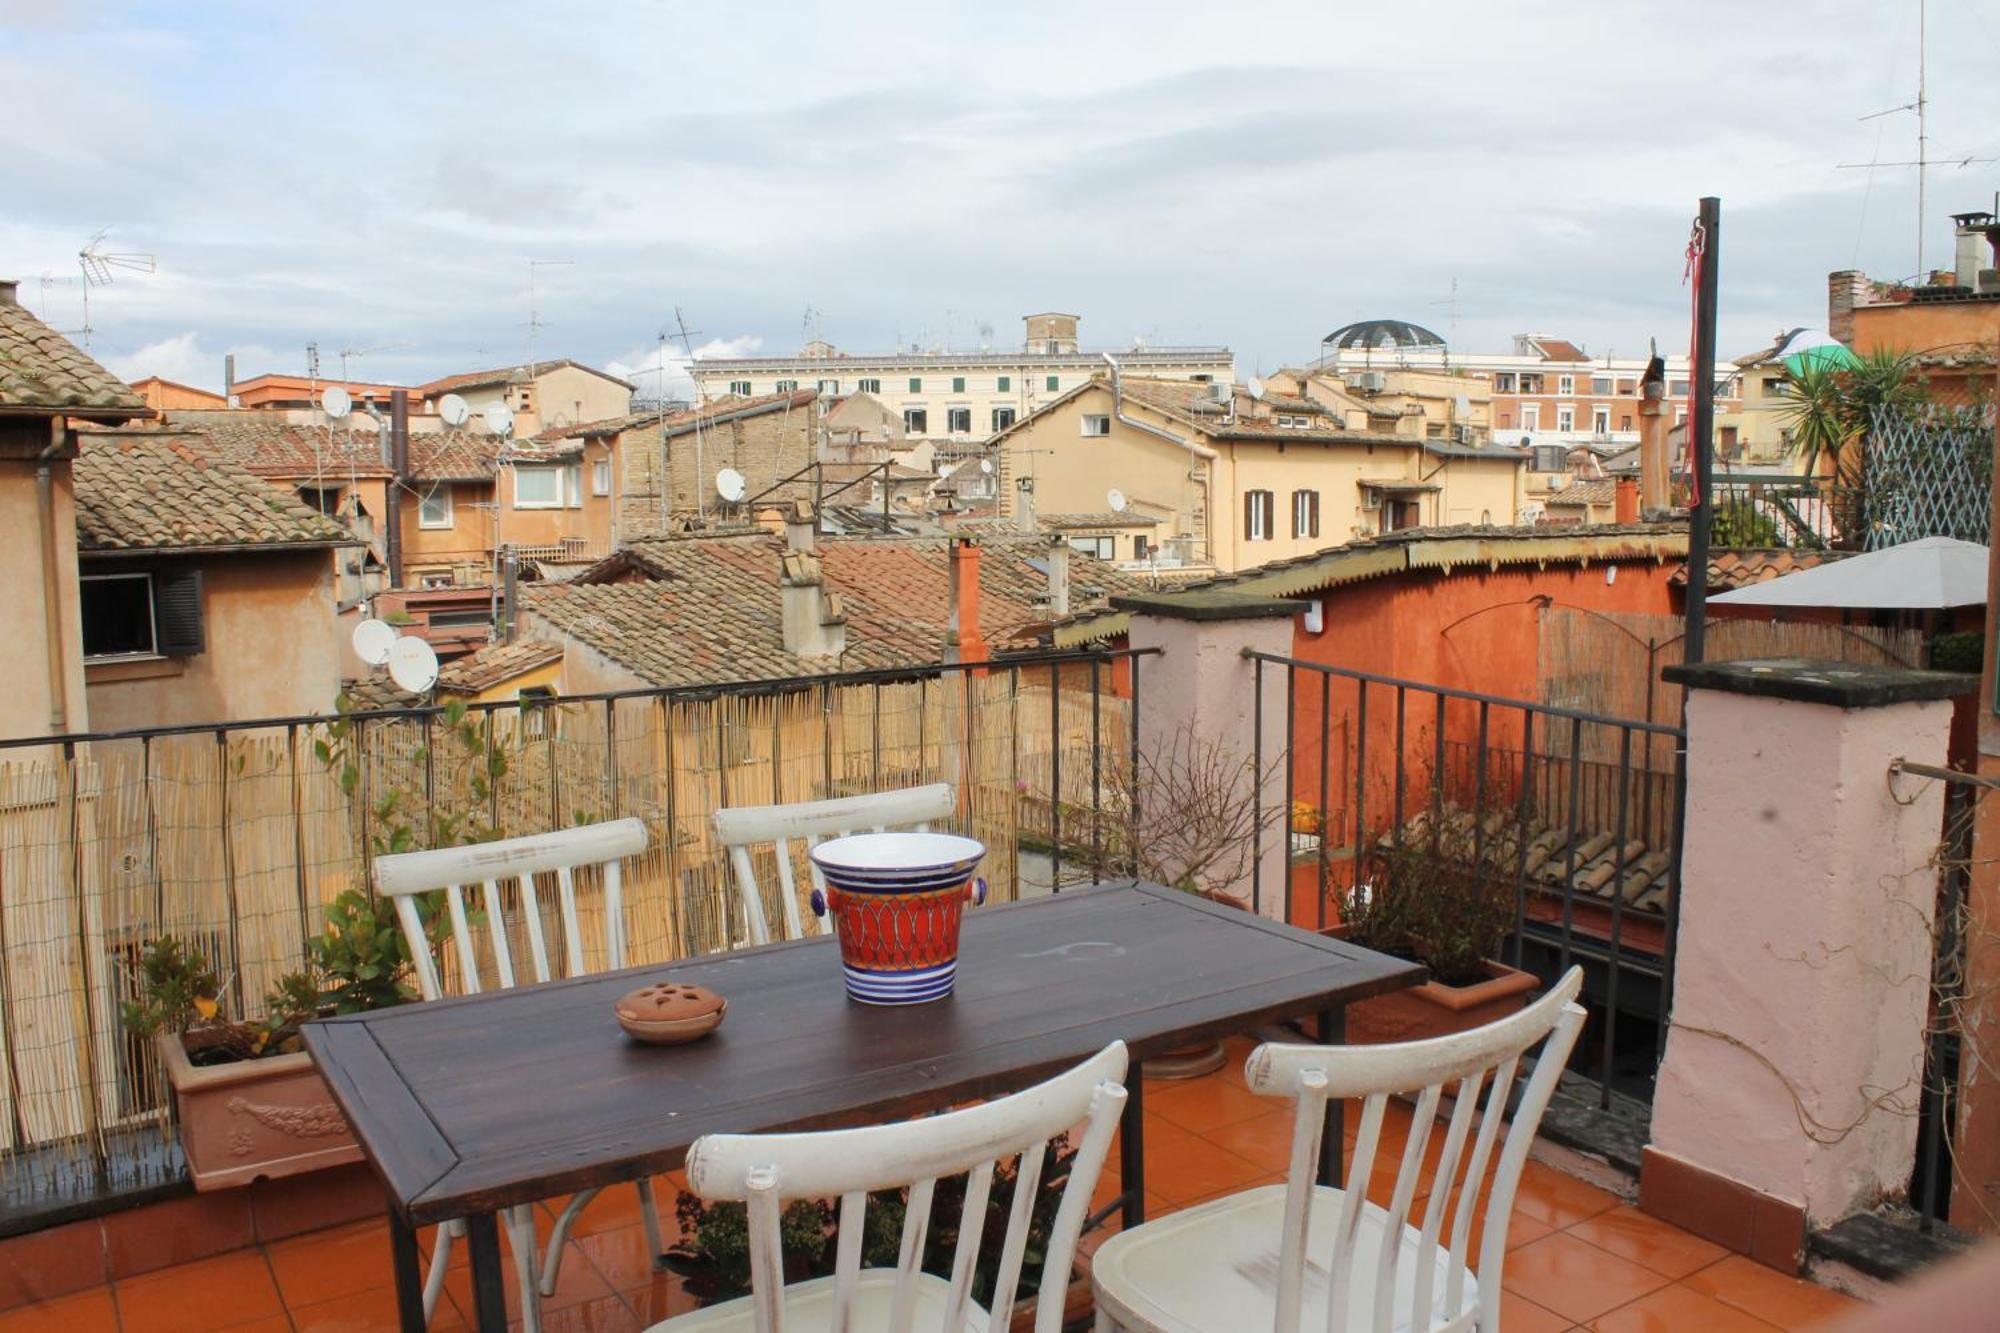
1249,515
1315,513
177,628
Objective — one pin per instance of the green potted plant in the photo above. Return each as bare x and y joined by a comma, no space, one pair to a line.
250,1102
1431,902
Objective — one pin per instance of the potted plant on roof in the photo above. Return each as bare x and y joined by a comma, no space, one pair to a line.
250,1102
1438,900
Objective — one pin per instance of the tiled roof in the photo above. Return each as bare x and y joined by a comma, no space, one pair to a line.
495,664
42,370
455,455
376,690
1728,570
681,423
1560,349
711,612
148,491
269,446
1603,491
1105,519
480,379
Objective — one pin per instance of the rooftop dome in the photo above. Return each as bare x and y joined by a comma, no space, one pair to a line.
1382,333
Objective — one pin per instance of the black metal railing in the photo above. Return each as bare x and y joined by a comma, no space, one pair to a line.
1573,814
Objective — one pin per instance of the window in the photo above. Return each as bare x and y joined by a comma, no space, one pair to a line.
1678,388
868,386
831,388
958,384
573,484
1531,416
1054,382
1003,417
741,388
1550,458
1565,385
916,384
1775,387
958,420
1140,547
1096,425
600,477
1600,418
537,487
1503,382
1257,507
785,386
1628,386
916,421
1625,421
1565,417
1104,548
1531,381
1005,384
1305,514
1600,384
141,615
535,703
434,508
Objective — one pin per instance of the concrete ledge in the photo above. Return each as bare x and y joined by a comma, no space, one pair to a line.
1205,606
1887,1246
1841,684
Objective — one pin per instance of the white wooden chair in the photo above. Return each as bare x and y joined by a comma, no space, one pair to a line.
744,826
1302,1256
765,1171
491,865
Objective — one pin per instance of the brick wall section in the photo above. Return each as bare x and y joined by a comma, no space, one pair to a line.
764,448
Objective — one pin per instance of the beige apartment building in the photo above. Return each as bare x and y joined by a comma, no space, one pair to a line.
963,396
1210,475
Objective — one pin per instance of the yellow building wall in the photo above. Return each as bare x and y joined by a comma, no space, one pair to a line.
26,705
542,677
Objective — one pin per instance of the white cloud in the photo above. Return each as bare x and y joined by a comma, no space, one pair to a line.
182,359
661,371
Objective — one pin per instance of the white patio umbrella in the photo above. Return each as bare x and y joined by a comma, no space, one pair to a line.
1934,574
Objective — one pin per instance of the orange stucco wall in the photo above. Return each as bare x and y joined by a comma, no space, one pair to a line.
27,704
1960,327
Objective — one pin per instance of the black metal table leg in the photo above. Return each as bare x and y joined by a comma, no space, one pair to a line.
1132,1147
1332,1148
409,1276
489,1288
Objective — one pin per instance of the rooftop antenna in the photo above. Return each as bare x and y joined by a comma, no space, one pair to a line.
99,266
356,353
534,314
1452,302
687,337
810,326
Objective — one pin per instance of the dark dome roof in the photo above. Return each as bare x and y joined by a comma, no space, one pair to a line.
1383,333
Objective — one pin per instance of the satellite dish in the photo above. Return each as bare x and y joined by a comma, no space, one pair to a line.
986,466
413,666
499,418
947,470
1464,405
337,401
373,640
1256,388
1116,499
454,410
730,485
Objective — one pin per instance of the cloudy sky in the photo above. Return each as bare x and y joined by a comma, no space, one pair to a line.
379,177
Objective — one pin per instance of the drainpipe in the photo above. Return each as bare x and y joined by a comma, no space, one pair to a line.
399,467
45,512
1118,411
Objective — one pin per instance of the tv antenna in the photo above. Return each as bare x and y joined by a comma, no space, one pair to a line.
356,353
1451,302
534,314
687,337
100,267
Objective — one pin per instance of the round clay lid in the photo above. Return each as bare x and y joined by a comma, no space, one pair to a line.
668,1001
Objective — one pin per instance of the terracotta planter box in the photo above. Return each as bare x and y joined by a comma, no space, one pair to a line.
1435,1009
256,1119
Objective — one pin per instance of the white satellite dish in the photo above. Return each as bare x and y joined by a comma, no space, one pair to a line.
373,639
1463,404
730,485
413,666
1256,387
1116,499
337,401
986,466
947,470
455,410
499,418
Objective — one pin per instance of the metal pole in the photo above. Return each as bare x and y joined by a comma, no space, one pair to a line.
1701,426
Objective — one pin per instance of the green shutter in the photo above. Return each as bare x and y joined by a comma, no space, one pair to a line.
916,384
1006,384
1053,381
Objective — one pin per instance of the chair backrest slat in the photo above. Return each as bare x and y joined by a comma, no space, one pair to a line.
914,1155
1409,1260
505,872
744,827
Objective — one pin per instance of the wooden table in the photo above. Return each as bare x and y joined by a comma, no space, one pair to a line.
467,1105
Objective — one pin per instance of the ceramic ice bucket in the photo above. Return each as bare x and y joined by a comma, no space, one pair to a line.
896,901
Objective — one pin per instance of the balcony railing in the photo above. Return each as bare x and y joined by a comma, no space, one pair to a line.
235,837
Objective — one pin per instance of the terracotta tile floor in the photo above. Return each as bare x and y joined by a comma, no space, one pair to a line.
1578,1257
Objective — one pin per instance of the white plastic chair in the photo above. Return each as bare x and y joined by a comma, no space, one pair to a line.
491,865
741,827
765,1171
1305,1256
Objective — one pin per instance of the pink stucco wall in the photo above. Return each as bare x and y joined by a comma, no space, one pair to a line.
1804,954
1202,682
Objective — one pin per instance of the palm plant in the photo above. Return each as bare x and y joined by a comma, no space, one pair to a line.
1833,405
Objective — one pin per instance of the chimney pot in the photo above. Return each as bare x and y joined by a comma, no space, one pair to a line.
8,291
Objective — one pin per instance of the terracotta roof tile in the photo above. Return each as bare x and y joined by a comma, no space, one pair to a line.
480,379
1603,491
1729,570
495,664
147,491
39,368
681,423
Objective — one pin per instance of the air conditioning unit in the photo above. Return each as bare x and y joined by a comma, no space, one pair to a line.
1222,393
1462,434
1371,499
1373,381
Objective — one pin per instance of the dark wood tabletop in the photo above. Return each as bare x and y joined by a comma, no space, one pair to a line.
467,1105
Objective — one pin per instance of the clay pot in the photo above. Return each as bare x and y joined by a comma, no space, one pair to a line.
1435,1009
667,1013
255,1119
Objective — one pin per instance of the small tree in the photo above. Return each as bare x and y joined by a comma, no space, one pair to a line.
1188,814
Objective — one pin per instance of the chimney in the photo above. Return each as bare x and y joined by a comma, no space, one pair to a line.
1059,552
1978,252
1653,494
801,528
962,640
815,623
1845,290
1625,501
399,465
229,379
1024,504
9,290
